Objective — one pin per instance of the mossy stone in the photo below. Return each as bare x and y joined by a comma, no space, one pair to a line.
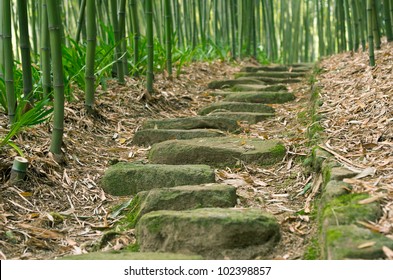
245,87
130,178
277,68
261,97
334,189
214,233
148,137
345,242
318,157
271,74
181,198
250,118
217,151
220,84
236,107
345,210
125,255
196,122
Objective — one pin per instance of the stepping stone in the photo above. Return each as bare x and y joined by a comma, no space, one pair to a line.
285,75
347,242
261,97
250,118
218,84
259,88
126,255
236,107
126,178
180,198
272,81
148,137
197,122
214,233
278,68
267,79
217,151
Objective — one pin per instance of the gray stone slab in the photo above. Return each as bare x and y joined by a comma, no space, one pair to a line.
345,209
353,242
236,107
265,74
220,84
214,233
275,68
148,137
197,122
261,97
267,80
130,178
270,88
180,198
125,255
217,151
250,118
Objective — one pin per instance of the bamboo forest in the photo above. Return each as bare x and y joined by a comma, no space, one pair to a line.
196,130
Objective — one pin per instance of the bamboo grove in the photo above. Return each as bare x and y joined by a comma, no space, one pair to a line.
48,46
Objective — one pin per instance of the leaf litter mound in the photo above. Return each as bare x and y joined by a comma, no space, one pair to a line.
358,124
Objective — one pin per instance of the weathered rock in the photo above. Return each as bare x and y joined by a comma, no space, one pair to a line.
353,242
250,118
217,151
148,137
331,170
346,209
274,74
270,88
125,255
268,80
215,233
197,122
260,97
180,198
236,107
334,189
219,84
130,178
276,68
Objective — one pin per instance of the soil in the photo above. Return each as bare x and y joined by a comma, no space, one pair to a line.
60,209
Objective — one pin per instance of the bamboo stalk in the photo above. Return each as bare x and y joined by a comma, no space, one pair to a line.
91,33
45,50
150,46
370,23
55,36
8,61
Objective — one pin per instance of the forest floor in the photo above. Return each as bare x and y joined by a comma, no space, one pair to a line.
61,210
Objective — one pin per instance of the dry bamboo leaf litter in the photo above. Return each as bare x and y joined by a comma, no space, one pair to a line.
357,118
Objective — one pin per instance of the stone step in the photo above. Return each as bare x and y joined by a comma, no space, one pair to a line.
261,97
148,137
244,87
180,198
285,75
217,151
125,255
130,178
196,122
219,84
214,233
277,68
268,80
236,107
250,118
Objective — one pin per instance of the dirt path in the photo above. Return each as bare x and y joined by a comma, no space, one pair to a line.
61,210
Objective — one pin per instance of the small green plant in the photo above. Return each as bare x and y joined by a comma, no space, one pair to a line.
38,114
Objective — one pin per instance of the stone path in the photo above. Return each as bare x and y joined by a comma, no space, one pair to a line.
178,208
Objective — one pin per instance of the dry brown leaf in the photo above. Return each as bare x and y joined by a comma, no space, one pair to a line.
366,245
